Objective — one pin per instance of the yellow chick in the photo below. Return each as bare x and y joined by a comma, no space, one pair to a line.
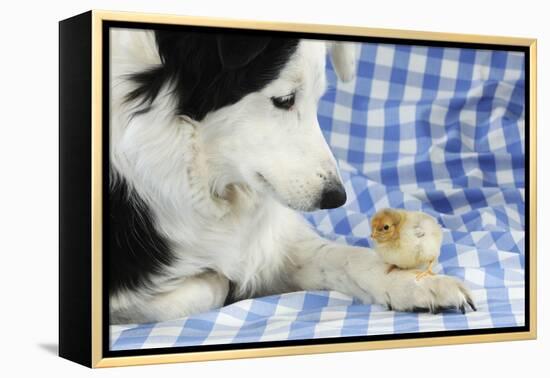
407,239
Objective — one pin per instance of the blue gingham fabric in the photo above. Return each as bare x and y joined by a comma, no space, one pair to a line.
423,128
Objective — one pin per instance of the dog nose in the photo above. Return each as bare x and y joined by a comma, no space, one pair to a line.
333,196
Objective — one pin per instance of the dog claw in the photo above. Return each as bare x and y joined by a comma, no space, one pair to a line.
421,309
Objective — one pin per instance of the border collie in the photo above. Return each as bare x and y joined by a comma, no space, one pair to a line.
214,148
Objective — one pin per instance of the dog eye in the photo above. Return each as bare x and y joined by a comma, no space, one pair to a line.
284,102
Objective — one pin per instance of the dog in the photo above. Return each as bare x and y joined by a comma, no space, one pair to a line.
214,149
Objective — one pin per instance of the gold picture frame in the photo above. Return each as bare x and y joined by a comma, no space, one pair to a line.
89,329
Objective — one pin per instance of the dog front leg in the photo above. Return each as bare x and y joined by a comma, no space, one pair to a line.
323,265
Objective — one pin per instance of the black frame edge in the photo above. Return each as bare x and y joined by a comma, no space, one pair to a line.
107,353
75,148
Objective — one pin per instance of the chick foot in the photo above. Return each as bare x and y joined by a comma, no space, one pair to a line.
391,268
427,272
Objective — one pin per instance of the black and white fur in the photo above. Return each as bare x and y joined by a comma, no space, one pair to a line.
214,145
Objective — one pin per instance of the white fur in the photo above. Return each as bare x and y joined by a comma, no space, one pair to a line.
223,192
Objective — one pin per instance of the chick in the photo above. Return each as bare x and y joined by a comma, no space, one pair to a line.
407,239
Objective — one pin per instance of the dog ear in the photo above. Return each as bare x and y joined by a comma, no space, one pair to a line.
344,57
237,51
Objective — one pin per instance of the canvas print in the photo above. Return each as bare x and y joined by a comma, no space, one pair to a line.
266,187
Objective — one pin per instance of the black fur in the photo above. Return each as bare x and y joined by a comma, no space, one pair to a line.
236,51
210,71
136,249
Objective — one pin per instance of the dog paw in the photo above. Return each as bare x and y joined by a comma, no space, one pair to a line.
432,294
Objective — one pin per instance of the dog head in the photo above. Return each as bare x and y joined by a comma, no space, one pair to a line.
254,99
271,140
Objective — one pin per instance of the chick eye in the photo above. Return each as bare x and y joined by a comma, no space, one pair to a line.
284,102
386,227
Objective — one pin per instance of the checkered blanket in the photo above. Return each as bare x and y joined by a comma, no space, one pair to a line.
425,128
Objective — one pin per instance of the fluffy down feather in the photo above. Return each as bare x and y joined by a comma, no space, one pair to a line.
407,239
